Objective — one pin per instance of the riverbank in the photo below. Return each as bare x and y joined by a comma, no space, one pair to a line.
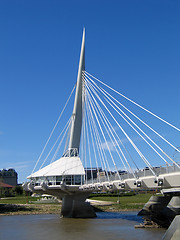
27,209
22,205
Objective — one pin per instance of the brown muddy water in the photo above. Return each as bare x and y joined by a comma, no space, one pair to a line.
107,226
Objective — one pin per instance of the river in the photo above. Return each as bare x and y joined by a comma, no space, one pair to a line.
107,226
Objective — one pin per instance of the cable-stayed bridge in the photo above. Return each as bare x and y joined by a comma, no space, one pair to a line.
105,146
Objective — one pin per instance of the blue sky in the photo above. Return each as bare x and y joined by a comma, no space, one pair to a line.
132,45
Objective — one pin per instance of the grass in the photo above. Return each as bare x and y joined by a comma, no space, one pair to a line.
138,198
125,202
17,200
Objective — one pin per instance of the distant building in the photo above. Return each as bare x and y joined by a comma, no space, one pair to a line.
5,189
91,172
9,176
99,172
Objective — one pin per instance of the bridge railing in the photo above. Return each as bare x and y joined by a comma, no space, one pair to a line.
141,173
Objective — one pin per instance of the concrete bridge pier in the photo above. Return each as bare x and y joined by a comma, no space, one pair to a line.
155,203
74,206
154,210
173,232
161,209
173,208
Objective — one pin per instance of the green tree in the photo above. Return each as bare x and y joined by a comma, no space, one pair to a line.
19,190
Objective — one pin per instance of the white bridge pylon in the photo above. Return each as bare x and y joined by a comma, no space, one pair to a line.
105,145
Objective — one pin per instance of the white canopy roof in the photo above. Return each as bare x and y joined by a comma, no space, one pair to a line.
62,166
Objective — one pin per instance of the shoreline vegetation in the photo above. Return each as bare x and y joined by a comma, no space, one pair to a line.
25,205
29,209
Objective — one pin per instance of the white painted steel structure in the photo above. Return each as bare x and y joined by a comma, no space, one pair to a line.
101,145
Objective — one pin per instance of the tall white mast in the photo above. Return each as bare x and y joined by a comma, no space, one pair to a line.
75,133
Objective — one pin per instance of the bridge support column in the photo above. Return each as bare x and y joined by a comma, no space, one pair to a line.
173,208
155,203
173,231
161,209
74,206
155,210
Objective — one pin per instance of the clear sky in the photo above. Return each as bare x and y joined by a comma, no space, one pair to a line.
132,45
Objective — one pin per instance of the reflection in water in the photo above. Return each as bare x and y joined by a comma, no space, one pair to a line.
107,226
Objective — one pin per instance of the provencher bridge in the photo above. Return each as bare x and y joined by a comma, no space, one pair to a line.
106,147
